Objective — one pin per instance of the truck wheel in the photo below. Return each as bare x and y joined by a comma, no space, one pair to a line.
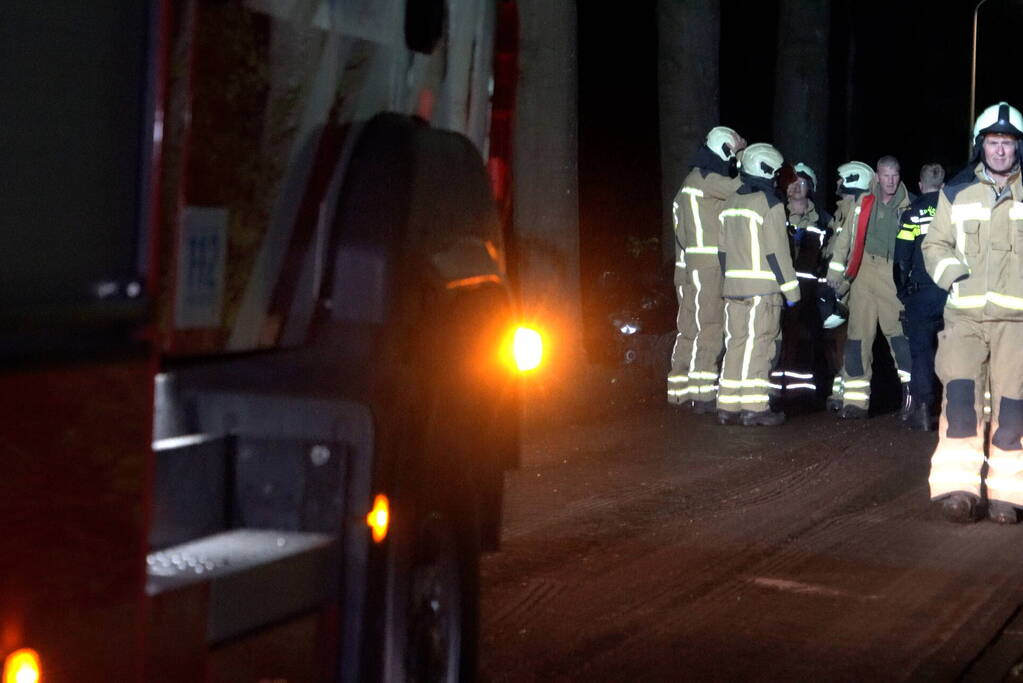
432,597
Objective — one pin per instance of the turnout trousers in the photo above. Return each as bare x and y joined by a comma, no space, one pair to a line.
924,319
752,340
872,302
694,358
973,355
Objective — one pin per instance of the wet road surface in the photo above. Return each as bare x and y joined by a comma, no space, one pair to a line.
645,543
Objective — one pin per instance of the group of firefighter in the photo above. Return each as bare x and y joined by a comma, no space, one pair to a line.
779,302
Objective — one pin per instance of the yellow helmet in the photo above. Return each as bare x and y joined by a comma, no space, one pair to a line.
804,170
999,118
761,160
855,175
723,141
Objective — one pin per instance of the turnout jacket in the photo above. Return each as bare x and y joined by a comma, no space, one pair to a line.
808,232
754,246
974,248
696,208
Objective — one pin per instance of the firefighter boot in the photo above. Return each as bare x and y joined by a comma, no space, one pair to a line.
960,507
704,407
920,418
728,417
851,412
907,404
766,418
1002,513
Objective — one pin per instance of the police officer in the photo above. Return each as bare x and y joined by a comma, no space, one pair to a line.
863,256
924,301
854,179
759,279
694,358
974,250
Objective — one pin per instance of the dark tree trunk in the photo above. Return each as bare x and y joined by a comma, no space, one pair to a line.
801,90
689,36
545,167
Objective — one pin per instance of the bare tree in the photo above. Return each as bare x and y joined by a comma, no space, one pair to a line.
801,100
689,36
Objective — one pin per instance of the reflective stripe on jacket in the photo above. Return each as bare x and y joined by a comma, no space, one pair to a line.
974,248
755,247
695,211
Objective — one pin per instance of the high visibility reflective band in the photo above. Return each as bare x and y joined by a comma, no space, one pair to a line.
696,314
857,383
755,398
730,399
1016,211
838,267
747,354
816,230
741,213
801,385
954,480
694,206
907,235
944,263
969,212
790,285
679,392
680,264
731,383
958,456
1003,485
1005,301
837,382
752,274
905,375
856,396
677,379
703,375
701,250
789,373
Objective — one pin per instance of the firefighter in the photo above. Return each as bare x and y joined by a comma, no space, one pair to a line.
698,342
974,250
924,301
801,373
759,280
863,257
854,179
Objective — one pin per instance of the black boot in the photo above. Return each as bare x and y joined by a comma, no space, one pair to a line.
920,418
960,508
1002,513
907,404
851,412
764,418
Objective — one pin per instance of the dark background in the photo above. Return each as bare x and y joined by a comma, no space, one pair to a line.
899,83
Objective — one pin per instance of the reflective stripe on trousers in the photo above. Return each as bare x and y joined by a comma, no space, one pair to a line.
700,324
752,330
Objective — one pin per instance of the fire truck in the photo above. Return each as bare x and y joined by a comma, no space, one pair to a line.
260,361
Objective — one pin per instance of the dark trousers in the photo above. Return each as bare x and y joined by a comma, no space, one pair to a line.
924,319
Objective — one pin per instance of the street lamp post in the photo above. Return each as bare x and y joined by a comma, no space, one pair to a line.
973,78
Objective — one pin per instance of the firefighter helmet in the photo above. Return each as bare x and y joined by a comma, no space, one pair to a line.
998,118
807,172
855,175
761,160
724,142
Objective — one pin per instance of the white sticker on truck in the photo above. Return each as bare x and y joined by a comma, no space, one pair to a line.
202,251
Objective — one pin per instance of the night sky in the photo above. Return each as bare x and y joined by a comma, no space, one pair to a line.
899,84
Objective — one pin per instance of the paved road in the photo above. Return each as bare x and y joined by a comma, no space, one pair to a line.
647,544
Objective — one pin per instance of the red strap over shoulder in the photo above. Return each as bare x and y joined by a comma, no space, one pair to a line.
856,255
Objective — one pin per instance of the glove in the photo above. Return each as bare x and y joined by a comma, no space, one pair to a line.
791,304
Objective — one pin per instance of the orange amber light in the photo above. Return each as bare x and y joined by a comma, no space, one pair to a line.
378,519
527,349
22,666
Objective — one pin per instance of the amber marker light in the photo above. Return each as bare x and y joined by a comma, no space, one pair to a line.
378,519
22,666
527,349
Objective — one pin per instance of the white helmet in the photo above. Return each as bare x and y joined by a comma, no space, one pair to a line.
998,118
761,160
723,141
804,170
855,175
